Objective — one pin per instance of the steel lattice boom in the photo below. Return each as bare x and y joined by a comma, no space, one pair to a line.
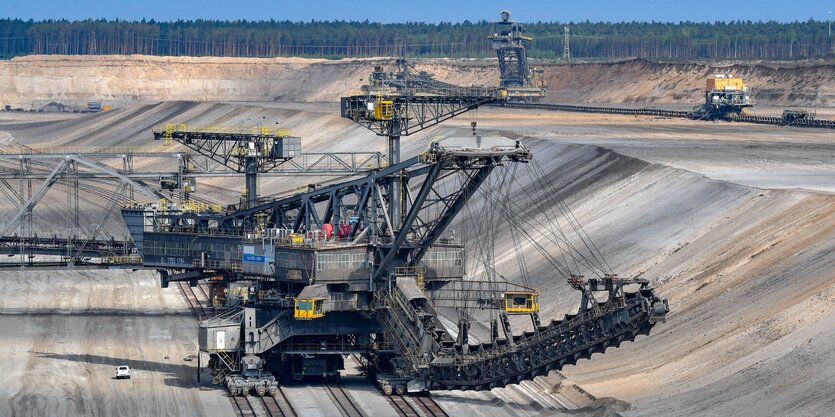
409,114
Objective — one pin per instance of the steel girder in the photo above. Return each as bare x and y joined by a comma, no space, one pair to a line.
405,79
105,169
58,246
29,205
472,294
428,214
228,148
413,113
232,150
306,216
306,164
513,66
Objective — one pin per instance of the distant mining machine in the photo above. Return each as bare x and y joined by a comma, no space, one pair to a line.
369,266
726,96
518,82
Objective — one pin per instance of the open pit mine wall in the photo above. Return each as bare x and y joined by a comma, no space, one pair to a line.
117,80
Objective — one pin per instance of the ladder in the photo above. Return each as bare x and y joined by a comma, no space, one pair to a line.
230,366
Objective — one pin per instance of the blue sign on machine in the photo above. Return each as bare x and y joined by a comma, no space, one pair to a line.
248,257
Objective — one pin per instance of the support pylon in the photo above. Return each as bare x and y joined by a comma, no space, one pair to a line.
566,50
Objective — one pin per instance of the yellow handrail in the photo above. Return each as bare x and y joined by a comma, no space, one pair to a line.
263,130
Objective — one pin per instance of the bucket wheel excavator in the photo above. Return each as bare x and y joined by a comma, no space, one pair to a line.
370,266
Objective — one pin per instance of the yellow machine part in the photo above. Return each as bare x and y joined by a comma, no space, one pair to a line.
722,84
384,110
416,271
169,130
308,309
521,302
538,78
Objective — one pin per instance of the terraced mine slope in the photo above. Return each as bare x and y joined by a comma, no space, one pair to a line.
735,224
34,81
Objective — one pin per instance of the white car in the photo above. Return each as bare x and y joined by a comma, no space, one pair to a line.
123,372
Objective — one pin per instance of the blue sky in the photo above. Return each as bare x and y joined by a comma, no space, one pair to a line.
420,10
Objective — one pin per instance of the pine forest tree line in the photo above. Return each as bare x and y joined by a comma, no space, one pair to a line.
652,40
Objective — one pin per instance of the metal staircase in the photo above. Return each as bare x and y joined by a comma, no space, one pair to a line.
230,365
411,323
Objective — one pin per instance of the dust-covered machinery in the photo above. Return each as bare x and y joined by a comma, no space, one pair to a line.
369,266
519,82
312,277
725,96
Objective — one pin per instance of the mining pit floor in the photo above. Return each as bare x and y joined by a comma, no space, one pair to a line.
733,223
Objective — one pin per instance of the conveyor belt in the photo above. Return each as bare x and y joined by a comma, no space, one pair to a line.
773,120
603,110
768,120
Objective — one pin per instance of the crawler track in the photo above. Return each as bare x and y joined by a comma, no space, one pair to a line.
343,401
765,120
242,406
278,406
417,407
